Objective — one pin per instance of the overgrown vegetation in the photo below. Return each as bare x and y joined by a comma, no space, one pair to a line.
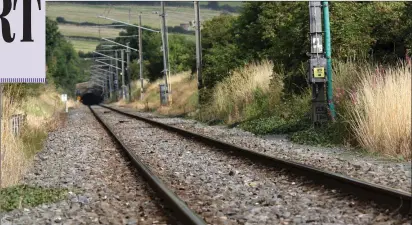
184,96
42,107
22,196
244,94
363,43
254,72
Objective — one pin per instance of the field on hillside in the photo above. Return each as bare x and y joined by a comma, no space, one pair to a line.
88,45
78,12
88,31
83,45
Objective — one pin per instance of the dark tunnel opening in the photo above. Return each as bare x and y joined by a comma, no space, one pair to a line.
92,99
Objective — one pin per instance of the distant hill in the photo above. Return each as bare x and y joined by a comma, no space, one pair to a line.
79,21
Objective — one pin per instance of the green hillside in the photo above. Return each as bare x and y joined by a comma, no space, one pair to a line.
80,13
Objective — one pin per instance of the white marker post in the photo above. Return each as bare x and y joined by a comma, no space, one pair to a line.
64,99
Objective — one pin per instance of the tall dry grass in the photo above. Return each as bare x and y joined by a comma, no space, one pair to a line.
231,97
380,115
44,114
13,158
184,95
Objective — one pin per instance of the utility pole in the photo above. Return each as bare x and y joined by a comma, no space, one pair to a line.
317,65
107,82
110,76
328,51
198,47
123,80
165,50
128,72
104,91
115,80
119,90
141,57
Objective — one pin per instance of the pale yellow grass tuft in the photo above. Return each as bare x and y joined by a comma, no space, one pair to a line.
381,115
232,95
184,95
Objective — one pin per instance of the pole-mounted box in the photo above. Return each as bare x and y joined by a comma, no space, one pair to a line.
317,70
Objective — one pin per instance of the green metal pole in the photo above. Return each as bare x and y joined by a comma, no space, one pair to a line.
328,51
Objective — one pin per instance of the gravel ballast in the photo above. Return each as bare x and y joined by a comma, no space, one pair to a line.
225,189
377,170
104,189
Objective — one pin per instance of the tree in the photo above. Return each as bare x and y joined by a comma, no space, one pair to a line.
62,60
219,49
181,53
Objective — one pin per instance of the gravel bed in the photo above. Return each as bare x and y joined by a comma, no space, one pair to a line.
340,160
104,189
225,189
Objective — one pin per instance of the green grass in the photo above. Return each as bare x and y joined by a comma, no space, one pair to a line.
328,136
33,140
22,196
78,12
88,31
84,44
274,125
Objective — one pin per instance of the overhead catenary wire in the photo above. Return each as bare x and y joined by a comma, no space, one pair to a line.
106,64
106,56
144,28
127,47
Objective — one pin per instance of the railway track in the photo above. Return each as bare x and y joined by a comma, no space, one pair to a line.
390,199
179,208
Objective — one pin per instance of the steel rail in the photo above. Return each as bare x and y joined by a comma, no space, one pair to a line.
396,200
184,213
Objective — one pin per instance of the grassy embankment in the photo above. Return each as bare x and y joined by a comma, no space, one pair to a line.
373,108
77,12
44,111
184,96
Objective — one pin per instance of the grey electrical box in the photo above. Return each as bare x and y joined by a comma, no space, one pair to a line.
319,112
163,94
317,70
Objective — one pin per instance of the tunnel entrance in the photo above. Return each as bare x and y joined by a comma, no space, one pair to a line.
92,99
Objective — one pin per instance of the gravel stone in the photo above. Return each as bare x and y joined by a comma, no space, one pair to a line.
374,169
199,175
81,157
